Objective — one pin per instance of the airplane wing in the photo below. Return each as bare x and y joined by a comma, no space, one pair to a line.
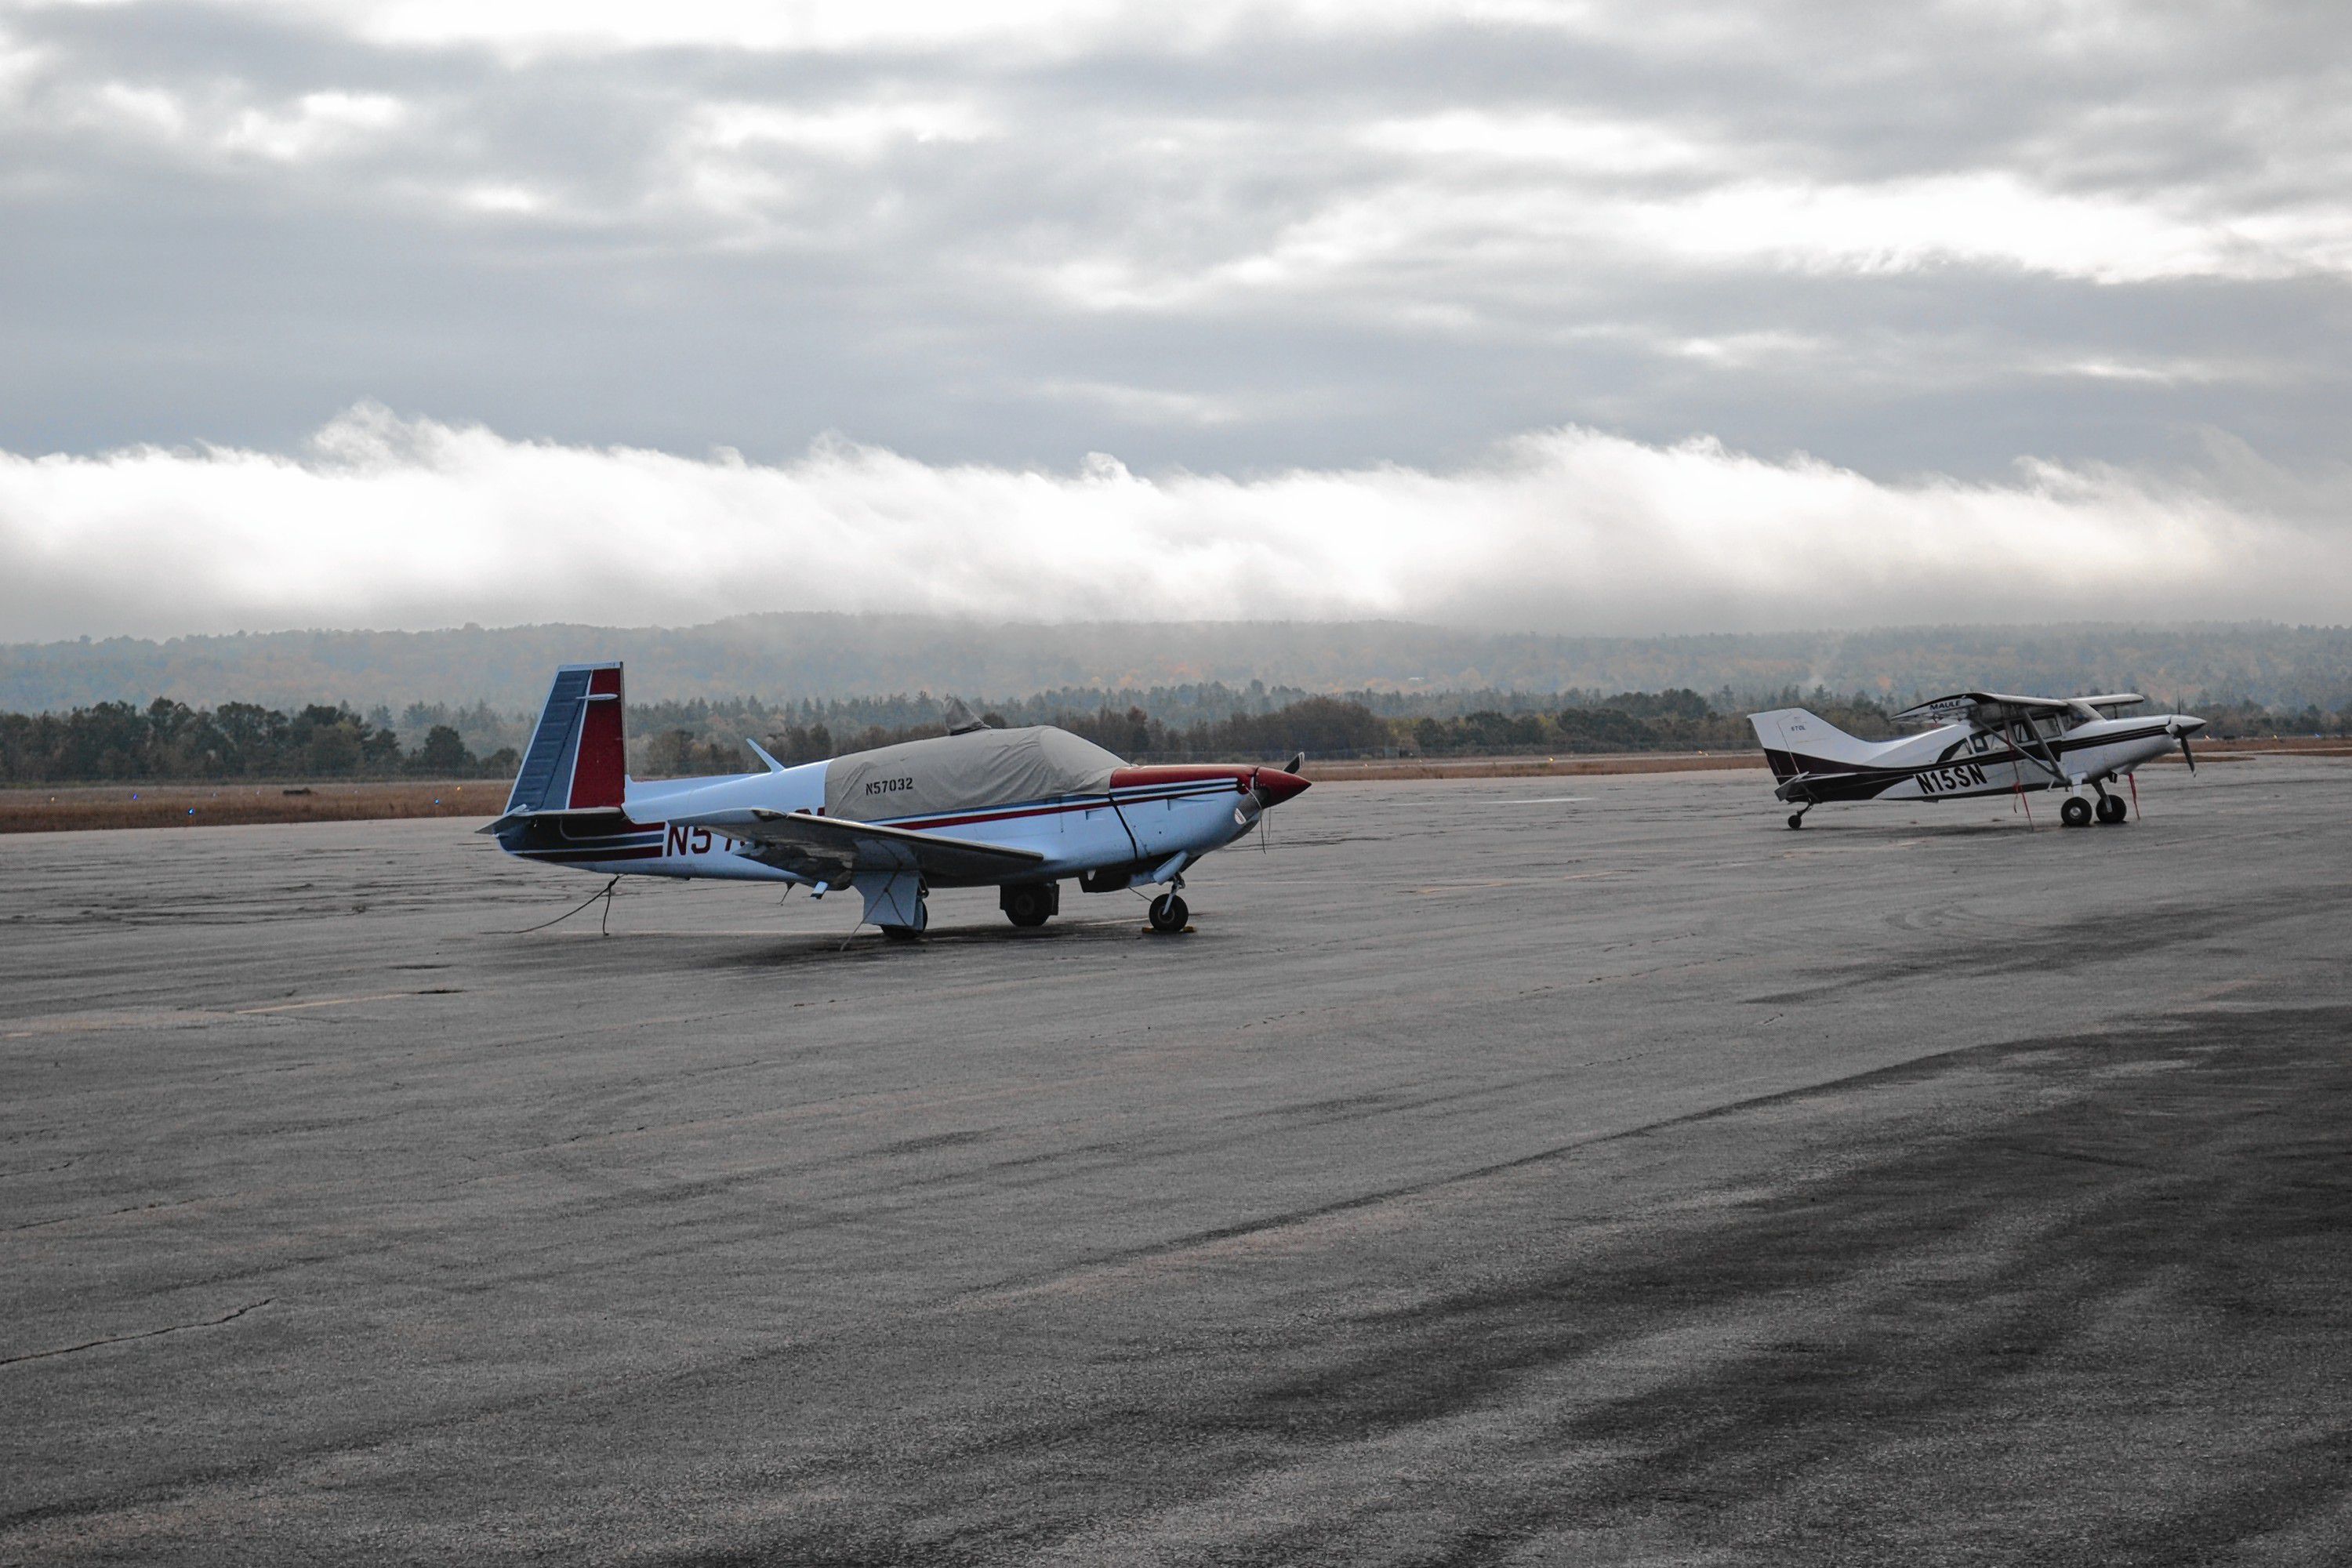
1985,709
837,850
2110,704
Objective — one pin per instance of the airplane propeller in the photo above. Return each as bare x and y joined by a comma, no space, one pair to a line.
1269,794
2173,727
1261,795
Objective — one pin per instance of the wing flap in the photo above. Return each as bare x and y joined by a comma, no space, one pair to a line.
832,848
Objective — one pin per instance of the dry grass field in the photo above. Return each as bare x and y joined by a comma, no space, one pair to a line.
66,808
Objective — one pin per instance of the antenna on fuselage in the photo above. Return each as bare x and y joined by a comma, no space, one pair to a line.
760,751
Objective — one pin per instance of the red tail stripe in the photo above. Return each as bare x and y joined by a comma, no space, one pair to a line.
599,776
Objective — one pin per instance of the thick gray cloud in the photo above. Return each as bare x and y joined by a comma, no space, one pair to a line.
1919,244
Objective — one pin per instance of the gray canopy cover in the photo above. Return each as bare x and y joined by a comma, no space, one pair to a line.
975,771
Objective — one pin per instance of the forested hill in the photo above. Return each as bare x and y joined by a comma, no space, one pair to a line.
786,656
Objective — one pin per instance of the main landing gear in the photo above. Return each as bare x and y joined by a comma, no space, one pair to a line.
1169,913
1030,903
914,915
2080,813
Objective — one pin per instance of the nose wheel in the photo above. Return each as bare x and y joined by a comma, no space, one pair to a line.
1169,914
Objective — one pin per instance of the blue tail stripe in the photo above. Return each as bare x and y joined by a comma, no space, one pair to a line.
552,746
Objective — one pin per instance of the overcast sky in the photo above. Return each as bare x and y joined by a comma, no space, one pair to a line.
1589,316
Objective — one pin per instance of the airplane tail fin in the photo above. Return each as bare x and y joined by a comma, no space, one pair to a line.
577,760
1796,741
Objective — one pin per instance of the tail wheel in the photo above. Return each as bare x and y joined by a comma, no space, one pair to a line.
1169,913
1796,819
2075,813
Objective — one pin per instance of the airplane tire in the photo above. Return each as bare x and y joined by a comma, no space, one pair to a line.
901,934
1169,913
1027,906
1798,820
2075,813
2111,809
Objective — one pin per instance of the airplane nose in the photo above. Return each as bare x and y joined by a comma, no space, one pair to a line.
1277,786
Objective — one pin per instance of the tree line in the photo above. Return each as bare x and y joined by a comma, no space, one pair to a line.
168,740
120,741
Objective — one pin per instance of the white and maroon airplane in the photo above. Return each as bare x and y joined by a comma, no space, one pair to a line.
1015,809
1983,743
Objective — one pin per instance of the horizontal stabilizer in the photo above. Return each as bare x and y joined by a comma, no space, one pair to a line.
1797,786
517,818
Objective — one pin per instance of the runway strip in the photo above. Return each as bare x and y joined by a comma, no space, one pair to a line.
1645,1183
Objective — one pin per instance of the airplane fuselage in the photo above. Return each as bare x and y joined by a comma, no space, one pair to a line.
1019,809
1144,818
1957,760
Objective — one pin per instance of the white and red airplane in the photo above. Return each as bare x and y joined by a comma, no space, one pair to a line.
1015,809
1983,743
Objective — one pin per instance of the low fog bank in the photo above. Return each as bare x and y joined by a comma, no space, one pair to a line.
388,522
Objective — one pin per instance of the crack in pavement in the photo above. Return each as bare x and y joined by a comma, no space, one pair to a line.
146,1335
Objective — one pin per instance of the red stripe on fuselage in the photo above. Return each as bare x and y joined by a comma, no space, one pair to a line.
1181,772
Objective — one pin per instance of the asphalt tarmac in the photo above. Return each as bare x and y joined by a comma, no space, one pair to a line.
1501,1172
